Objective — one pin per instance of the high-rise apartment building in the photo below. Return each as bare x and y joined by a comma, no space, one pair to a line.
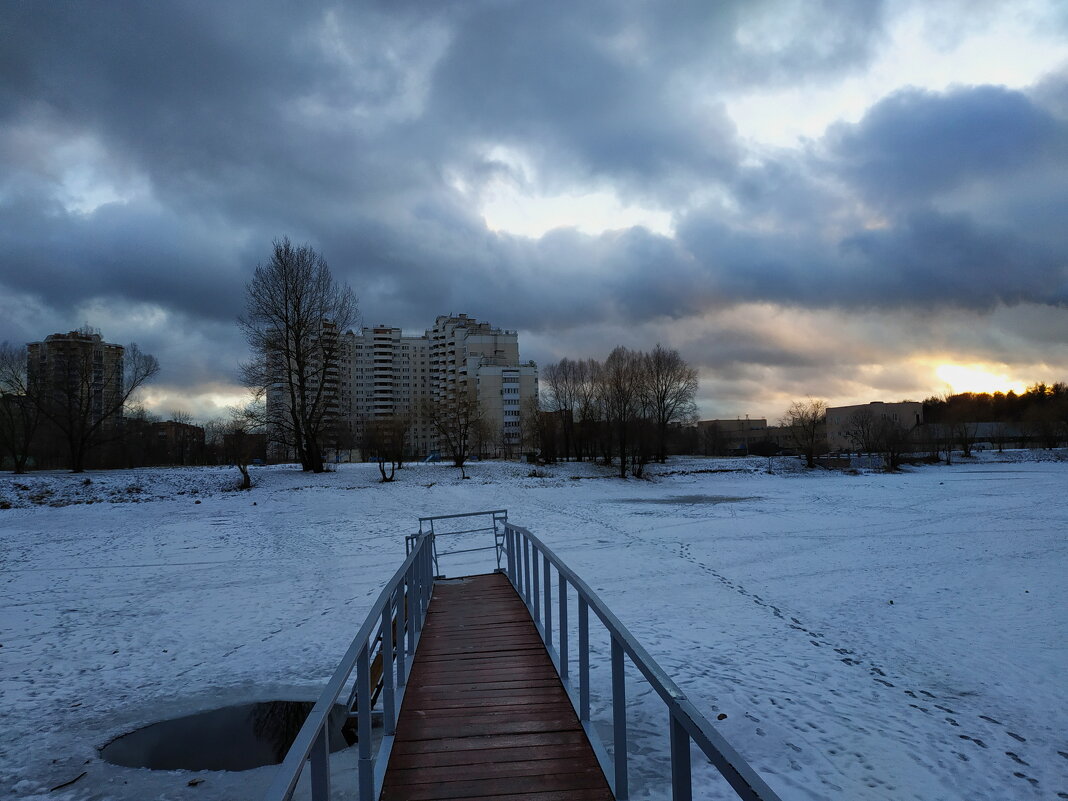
389,376
383,373
473,358
78,374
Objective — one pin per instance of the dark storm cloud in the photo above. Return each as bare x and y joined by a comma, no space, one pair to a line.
120,251
371,130
305,121
940,260
915,144
584,109
817,246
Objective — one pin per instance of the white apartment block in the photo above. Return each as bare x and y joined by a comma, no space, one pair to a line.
483,361
390,375
393,373
382,372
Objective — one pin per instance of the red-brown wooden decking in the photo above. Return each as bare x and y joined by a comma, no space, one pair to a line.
485,715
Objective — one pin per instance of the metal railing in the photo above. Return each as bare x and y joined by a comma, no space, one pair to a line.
529,566
497,518
381,656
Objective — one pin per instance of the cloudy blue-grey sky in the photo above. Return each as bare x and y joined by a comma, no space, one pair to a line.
848,200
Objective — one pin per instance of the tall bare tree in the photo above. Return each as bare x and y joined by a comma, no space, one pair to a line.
671,388
589,408
458,420
805,422
20,414
295,315
562,382
622,385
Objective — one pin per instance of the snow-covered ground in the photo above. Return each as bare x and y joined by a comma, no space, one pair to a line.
868,636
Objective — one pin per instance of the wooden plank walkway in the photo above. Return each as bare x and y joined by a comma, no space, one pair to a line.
485,716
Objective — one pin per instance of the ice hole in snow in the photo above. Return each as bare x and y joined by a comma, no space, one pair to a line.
230,738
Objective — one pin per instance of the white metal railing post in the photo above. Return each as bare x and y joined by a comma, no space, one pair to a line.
619,721
584,657
425,567
547,593
526,569
320,766
389,712
402,625
428,571
517,565
417,599
536,584
409,610
508,553
681,785
517,573
498,541
424,584
562,618
363,724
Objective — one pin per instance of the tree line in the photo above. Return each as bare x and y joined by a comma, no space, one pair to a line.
620,410
1040,412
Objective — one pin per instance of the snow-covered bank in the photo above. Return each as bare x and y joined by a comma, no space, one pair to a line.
768,597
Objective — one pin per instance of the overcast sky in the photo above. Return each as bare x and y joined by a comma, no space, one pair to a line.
849,200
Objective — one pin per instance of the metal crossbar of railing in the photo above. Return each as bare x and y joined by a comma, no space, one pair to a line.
381,658
495,520
530,564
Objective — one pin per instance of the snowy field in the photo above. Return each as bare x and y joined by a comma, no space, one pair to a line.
867,636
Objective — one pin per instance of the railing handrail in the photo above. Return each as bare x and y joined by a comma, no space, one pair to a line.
496,518
656,675
462,514
315,725
746,782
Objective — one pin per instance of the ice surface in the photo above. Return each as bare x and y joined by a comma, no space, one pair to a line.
867,636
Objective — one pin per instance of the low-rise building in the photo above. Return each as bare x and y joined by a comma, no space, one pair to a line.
731,437
849,427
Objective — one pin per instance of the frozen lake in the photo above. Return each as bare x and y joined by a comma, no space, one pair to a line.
867,636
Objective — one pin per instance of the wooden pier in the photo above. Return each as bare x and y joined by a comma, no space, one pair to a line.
485,716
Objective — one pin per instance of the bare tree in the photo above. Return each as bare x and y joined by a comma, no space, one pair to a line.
20,414
713,439
622,385
804,421
84,397
384,441
671,388
589,410
863,430
238,440
294,317
458,420
563,386
892,440
183,440
538,428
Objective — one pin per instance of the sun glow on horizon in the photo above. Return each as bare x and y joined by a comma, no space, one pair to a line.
977,378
